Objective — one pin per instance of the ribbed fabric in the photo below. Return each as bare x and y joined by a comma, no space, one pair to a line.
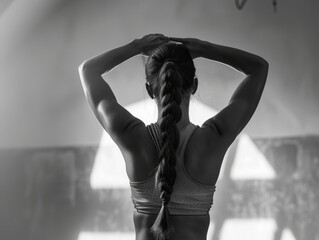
188,198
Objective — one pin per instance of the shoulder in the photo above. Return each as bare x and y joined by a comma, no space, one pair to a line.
139,152
204,155
208,139
205,146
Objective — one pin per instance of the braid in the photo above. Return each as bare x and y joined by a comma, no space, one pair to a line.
170,97
170,74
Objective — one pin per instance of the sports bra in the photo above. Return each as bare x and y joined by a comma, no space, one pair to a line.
189,197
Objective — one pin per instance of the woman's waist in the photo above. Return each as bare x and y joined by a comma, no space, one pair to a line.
186,227
177,206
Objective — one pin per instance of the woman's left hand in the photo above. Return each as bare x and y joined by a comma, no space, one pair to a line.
151,41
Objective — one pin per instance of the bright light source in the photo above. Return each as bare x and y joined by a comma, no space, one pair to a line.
249,162
287,235
248,229
106,236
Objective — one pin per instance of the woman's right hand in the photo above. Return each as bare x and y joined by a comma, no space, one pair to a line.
194,45
149,42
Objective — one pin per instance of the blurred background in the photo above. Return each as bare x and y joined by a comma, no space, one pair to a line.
61,176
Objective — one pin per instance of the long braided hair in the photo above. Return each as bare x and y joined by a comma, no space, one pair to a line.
170,72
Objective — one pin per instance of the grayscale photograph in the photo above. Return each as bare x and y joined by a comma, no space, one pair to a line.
159,120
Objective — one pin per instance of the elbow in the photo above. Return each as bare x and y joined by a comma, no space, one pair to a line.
85,72
88,66
83,67
256,66
265,68
265,64
262,64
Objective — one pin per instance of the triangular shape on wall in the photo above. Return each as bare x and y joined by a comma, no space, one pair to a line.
249,162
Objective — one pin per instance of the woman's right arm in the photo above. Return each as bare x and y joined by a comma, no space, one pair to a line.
231,120
115,119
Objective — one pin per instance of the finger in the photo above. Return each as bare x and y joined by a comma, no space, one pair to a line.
165,38
175,39
160,35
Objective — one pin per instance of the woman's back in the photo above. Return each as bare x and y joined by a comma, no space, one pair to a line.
171,80
194,187
203,155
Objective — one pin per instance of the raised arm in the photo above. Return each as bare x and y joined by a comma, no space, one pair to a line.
115,119
230,121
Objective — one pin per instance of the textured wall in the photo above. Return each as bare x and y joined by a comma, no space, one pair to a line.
291,198
46,194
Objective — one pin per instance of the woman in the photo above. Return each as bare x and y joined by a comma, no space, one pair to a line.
173,165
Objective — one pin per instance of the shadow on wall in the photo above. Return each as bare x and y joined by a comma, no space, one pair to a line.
46,194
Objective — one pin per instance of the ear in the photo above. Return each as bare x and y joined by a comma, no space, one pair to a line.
195,85
149,90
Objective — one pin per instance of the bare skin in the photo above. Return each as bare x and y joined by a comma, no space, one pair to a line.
185,227
207,147
198,148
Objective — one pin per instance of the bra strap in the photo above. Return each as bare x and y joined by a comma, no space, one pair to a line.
155,133
190,131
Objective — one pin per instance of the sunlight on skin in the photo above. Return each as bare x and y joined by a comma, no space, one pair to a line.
210,231
109,167
250,163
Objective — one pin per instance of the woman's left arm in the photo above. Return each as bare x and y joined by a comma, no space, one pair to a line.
115,119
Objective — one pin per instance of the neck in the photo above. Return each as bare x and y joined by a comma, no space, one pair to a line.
185,113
